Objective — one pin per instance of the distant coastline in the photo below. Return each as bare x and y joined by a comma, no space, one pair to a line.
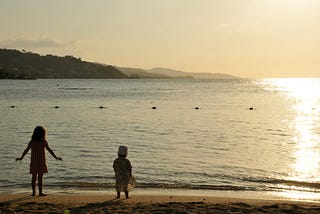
15,64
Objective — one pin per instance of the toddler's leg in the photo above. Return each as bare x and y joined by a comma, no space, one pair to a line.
118,194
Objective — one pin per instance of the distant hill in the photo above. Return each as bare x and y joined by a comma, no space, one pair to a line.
16,64
26,65
213,76
175,73
138,73
166,73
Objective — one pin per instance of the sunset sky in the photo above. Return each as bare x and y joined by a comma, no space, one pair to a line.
246,38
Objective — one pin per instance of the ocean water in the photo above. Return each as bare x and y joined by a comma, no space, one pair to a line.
229,135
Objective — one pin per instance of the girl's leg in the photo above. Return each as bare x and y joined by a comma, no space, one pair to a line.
33,184
118,194
127,193
40,178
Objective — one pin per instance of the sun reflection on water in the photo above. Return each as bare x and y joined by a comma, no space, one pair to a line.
305,96
307,148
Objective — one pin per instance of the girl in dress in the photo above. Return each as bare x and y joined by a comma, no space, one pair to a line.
123,171
38,166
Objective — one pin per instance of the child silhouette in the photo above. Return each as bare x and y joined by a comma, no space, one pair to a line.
123,171
38,166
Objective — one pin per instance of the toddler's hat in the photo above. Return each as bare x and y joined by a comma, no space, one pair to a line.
123,150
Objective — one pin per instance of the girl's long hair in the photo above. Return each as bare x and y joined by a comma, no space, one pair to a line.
39,134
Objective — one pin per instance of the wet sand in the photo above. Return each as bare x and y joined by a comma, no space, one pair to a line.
106,203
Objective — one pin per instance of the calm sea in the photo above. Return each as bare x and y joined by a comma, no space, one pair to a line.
252,135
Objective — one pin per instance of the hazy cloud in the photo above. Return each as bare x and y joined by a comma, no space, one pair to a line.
35,43
237,25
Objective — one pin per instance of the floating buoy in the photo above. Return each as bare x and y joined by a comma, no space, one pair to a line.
56,107
12,106
251,108
196,108
154,107
101,107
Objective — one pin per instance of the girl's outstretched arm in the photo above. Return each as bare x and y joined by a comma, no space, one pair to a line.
24,152
51,152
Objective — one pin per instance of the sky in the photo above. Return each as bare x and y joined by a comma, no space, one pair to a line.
245,38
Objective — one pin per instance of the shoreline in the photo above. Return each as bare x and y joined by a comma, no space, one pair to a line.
149,202
289,195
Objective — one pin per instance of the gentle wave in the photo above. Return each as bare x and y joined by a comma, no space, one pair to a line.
89,185
285,183
272,185
261,184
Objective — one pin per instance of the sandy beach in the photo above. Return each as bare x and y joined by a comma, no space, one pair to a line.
106,203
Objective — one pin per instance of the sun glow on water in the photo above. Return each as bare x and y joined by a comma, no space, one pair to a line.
306,91
305,94
304,98
307,149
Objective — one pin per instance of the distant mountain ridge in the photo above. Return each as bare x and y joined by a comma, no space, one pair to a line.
167,73
176,73
138,73
26,65
15,64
